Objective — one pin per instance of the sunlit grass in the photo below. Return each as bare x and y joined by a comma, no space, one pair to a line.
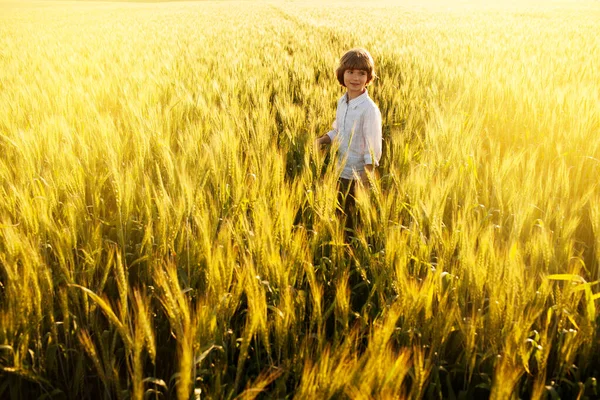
168,228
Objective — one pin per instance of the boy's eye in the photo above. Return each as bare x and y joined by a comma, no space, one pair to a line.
356,71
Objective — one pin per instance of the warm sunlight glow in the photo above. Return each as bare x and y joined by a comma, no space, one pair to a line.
168,229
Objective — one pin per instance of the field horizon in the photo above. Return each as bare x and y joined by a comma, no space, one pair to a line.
168,228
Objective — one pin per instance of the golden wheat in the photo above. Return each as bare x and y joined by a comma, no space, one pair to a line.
168,228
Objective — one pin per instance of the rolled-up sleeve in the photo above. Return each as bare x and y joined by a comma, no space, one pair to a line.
332,133
372,135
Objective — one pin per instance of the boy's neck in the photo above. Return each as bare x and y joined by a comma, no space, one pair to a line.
351,95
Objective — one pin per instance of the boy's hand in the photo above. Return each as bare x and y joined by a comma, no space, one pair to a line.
322,140
368,174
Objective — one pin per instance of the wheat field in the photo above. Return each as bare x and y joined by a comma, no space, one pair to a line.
169,230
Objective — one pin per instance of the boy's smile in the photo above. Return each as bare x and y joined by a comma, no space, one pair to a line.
355,81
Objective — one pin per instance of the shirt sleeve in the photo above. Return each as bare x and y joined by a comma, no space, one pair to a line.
333,133
372,135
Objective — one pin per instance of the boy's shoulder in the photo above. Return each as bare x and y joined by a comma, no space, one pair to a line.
370,103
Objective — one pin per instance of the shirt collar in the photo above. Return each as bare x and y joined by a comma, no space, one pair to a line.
355,102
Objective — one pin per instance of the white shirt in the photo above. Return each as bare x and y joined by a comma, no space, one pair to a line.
357,127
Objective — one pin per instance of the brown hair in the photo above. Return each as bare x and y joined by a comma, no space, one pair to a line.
357,58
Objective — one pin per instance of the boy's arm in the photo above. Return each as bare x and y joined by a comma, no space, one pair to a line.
372,136
373,142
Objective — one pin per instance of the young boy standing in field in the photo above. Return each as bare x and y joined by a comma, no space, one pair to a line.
357,127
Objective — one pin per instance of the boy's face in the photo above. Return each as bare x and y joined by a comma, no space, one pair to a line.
355,80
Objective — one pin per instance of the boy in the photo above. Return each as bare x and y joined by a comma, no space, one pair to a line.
357,126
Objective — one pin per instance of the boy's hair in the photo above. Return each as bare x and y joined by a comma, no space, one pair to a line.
357,58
